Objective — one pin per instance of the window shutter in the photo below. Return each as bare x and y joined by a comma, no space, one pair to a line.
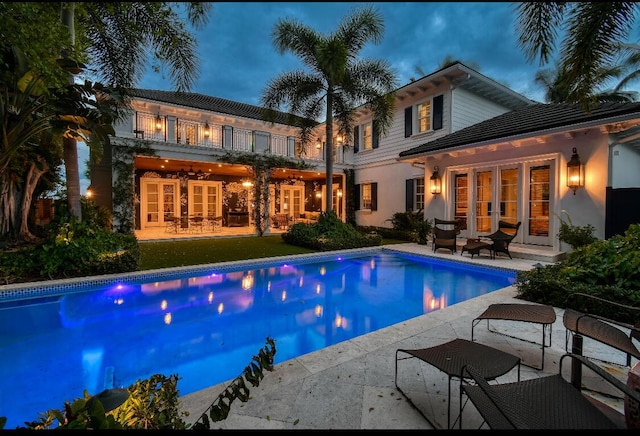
376,136
356,197
437,112
408,121
356,139
409,194
374,196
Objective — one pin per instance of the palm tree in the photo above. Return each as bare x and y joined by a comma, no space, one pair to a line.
592,32
119,37
557,88
336,82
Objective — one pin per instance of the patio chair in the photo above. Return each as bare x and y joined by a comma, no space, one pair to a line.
548,402
613,333
501,238
444,234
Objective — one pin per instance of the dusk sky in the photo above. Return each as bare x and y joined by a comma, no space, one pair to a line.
238,57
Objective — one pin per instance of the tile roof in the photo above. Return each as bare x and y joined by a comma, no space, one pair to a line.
532,119
213,104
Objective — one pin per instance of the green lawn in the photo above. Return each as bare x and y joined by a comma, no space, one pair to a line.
194,252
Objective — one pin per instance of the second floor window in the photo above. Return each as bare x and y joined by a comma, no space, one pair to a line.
367,136
424,116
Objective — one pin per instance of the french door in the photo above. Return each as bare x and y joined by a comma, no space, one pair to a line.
510,192
205,198
292,200
159,200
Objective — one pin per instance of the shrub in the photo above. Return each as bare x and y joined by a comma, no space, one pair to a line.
413,225
73,249
329,233
575,236
609,269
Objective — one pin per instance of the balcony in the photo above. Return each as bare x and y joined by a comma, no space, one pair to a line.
157,128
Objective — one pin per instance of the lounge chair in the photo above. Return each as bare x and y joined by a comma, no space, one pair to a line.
445,234
502,239
616,334
548,402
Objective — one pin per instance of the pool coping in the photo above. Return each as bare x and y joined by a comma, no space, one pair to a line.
30,290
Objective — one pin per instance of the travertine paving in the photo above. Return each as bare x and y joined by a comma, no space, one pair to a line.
351,385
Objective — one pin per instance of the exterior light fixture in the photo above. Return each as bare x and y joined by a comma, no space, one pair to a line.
339,193
318,194
338,140
158,123
207,130
435,184
191,172
318,144
575,172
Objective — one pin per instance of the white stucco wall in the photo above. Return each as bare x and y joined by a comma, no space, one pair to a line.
625,164
587,206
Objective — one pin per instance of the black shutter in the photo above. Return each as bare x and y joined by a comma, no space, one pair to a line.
374,196
356,139
408,121
376,136
356,197
437,112
409,194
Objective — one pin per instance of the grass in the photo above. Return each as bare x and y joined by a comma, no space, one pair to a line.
155,255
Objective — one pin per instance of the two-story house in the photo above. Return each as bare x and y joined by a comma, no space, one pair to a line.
190,132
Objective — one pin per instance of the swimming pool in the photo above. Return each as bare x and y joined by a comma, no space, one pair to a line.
205,324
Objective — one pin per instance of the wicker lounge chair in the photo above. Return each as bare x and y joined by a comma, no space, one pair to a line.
616,334
445,234
549,402
501,238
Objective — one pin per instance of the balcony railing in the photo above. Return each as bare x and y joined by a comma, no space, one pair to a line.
195,133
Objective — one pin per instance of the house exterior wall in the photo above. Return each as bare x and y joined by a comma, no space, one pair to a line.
468,109
625,161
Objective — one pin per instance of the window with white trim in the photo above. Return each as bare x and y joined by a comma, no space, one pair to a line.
367,136
366,196
423,113
419,193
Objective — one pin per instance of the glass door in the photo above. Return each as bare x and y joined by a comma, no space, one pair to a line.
538,205
292,200
159,201
484,201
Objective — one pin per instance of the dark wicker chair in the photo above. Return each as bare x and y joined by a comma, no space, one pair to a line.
582,320
548,402
501,238
445,234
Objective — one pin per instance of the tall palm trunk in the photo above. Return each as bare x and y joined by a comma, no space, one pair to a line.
328,151
72,172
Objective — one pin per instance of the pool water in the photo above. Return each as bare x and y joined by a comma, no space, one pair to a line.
206,328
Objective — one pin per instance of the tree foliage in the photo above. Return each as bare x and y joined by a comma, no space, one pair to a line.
335,81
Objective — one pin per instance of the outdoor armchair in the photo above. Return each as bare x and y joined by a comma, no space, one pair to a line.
501,238
548,402
445,234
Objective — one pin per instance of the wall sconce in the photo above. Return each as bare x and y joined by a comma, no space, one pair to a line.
318,144
435,184
338,140
318,194
247,184
158,123
575,172
207,130
339,193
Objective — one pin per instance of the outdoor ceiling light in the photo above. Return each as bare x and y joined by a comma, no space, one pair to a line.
158,123
191,172
575,172
435,184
